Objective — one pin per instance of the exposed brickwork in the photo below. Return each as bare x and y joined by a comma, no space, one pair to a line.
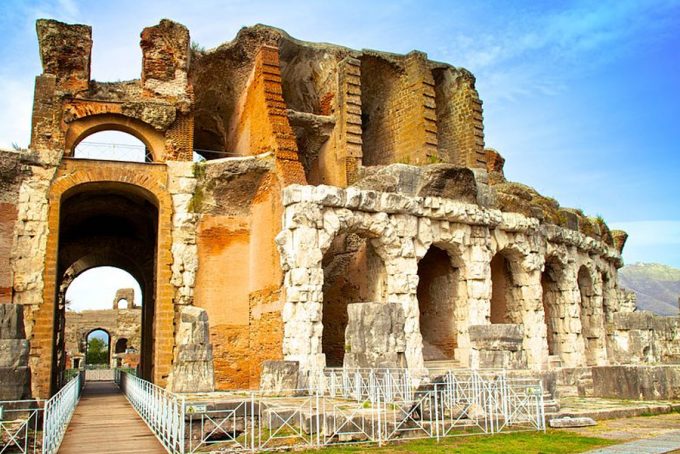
398,108
459,118
65,53
349,118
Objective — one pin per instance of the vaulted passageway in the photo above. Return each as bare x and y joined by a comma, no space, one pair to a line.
107,224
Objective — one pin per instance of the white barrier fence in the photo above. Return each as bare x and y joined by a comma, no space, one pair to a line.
58,412
33,426
347,407
162,411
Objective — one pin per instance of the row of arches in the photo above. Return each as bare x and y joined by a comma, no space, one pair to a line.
574,300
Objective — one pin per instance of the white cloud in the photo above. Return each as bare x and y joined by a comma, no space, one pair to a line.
96,288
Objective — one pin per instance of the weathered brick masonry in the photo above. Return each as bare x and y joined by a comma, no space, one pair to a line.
333,182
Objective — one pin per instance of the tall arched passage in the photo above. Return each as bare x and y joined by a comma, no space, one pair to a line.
439,292
504,288
109,224
353,273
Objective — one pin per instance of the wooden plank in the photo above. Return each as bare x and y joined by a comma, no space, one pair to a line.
105,422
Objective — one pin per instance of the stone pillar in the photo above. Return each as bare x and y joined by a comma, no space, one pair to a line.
478,275
15,376
65,53
572,349
192,369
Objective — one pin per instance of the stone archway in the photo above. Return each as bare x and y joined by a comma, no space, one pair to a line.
86,340
79,129
353,273
76,180
440,291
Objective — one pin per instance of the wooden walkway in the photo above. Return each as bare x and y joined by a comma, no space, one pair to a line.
105,422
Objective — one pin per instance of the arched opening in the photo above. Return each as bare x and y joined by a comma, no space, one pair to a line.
113,146
353,273
551,280
120,130
122,304
438,297
88,296
104,225
98,349
504,307
121,345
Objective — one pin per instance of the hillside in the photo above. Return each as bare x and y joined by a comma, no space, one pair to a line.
657,286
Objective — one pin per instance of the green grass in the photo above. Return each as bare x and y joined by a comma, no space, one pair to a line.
520,443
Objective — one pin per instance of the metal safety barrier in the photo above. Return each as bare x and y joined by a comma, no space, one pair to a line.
20,426
162,410
58,412
364,406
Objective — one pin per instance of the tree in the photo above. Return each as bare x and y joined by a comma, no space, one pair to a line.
97,351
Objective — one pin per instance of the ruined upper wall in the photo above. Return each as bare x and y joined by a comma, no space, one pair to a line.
69,106
348,108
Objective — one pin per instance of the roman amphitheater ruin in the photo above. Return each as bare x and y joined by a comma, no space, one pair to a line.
310,205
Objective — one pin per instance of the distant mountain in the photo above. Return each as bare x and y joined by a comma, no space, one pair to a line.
657,286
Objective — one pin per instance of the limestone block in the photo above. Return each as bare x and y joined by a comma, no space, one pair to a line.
12,321
279,377
637,382
567,422
374,335
497,336
15,383
192,369
13,352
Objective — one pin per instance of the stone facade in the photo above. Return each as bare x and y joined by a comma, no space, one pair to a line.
344,212
123,326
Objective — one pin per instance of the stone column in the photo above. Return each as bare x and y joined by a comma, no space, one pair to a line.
478,275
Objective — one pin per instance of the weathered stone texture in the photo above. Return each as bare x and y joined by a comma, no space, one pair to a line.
65,53
192,369
15,376
643,337
375,336
637,382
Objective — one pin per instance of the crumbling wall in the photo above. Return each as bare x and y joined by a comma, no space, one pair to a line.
403,229
643,338
119,323
12,172
237,207
460,127
398,111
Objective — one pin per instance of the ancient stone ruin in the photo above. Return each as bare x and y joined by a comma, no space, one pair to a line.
123,326
305,203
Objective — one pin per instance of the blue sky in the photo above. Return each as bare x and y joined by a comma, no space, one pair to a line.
582,98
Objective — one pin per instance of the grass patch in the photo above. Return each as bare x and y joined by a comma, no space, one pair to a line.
553,441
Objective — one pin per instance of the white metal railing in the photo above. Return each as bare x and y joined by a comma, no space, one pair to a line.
58,412
162,410
20,426
350,406
365,406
